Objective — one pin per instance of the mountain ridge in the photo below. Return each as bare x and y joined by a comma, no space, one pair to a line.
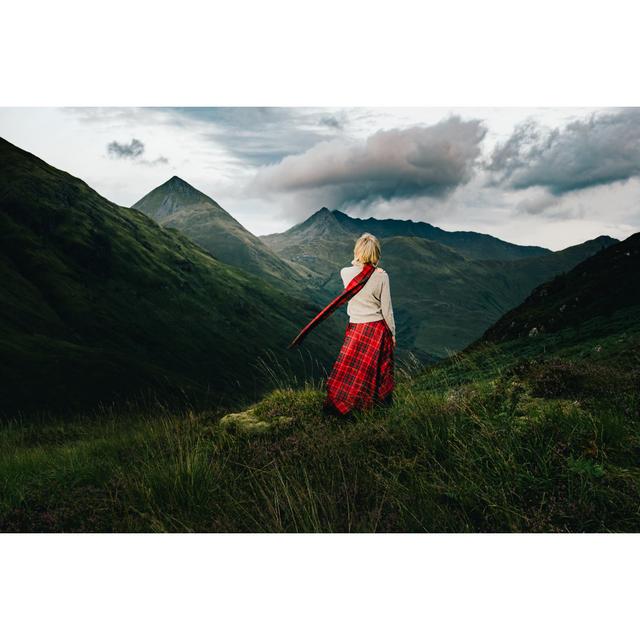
178,205
470,243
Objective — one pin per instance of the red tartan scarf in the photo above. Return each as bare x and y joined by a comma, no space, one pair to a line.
349,291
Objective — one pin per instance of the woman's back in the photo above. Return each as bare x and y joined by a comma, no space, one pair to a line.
373,302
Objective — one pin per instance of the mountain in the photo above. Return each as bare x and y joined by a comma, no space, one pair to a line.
178,205
601,291
443,299
97,301
327,235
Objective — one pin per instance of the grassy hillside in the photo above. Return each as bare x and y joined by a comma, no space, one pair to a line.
594,291
178,205
536,434
98,302
482,444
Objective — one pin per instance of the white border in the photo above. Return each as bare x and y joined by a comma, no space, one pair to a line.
314,586
494,53
285,52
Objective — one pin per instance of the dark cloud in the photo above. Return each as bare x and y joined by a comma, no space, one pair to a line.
397,163
331,121
156,162
602,149
133,149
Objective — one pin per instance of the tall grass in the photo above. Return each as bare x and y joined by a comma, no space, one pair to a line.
510,451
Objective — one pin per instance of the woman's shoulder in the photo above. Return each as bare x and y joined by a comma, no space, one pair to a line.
357,268
348,273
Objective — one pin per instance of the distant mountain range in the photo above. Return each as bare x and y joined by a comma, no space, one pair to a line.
448,286
326,232
97,301
445,294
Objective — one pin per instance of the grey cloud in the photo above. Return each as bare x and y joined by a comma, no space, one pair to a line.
156,162
331,121
396,163
133,149
545,204
602,149
259,136
537,204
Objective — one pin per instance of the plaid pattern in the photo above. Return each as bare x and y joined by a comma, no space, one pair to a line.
363,372
350,290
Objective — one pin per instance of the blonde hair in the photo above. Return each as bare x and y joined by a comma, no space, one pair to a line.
366,250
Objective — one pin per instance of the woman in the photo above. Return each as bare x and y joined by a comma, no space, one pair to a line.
363,372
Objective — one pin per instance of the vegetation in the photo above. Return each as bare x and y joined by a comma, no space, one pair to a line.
534,428
98,302
481,442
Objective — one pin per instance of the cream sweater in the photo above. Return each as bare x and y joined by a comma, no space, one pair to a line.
373,301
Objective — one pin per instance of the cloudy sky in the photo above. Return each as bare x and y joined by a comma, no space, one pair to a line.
551,177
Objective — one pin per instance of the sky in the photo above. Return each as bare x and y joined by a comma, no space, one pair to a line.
552,177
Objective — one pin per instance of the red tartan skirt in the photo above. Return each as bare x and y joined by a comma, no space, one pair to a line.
363,372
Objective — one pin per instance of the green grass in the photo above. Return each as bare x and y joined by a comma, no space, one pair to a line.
541,445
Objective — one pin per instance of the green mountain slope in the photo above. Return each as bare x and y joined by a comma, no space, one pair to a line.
443,301
597,290
306,243
97,301
178,205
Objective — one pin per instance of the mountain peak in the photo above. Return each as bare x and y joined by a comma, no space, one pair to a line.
322,222
170,196
326,213
323,212
177,183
